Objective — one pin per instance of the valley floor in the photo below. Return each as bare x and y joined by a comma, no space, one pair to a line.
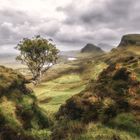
52,94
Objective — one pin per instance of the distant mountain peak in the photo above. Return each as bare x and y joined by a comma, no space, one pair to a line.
130,40
91,48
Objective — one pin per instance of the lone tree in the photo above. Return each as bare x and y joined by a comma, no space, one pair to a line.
38,54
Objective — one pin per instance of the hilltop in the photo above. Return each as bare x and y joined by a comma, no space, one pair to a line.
91,48
130,40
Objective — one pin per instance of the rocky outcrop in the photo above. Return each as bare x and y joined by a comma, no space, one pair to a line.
130,40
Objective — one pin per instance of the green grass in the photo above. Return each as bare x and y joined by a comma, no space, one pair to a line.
59,84
127,122
134,49
54,93
67,79
7,109
93,69
98,69
101,132
76,130
42,134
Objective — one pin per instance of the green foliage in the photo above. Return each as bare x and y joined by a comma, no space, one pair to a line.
101,132
26,117
67,130
10,79
36,53
42,134
103,99
19,112
54,93
8,132
126,122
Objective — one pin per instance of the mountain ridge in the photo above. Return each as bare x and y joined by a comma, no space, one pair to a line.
129,40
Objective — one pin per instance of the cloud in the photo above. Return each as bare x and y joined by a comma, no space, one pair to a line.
15,25
104,12
71,24
107,20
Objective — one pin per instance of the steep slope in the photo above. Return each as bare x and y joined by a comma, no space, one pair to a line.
19,112
130,40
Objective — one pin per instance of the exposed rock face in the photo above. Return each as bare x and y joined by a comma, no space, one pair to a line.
130,40
91,48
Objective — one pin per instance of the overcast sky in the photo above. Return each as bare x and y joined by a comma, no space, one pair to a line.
70,23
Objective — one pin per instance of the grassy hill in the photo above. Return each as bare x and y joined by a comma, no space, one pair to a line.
20,116
95,97
109,106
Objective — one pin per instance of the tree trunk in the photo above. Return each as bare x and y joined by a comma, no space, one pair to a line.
40,76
